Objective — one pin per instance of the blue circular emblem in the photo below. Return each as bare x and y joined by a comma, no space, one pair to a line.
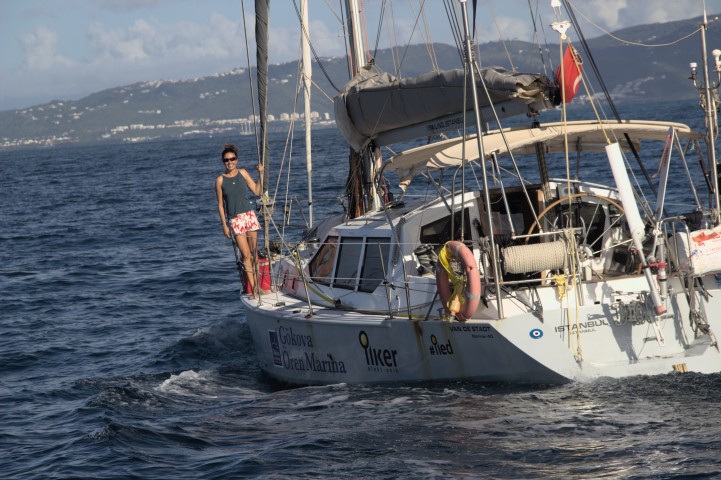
536,333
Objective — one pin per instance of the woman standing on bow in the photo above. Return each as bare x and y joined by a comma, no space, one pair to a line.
235,210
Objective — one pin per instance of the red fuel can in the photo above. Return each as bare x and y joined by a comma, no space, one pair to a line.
263,274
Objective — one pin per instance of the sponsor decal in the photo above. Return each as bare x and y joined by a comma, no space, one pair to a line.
470,328
310,362
476,331
536,333
287,349
440,349
275,347
378,359
445,124
287,337
583,327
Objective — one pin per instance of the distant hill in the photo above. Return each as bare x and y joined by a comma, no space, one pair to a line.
222,102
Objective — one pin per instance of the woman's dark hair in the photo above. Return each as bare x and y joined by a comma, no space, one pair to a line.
229,147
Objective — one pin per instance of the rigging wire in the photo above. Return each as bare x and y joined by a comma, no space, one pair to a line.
571,239
393,40
337,17
428,40
545,38
312,49
320,89
638,44
380,28
601,113
392,36
250,82
289,139
590,58
410,37
500,34
345,39
604,88
536,37
452,15
364,25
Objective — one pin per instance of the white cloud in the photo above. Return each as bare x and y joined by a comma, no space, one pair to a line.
617,14
657,11
605,13
143,50
143,41
41,50
152,47
131,44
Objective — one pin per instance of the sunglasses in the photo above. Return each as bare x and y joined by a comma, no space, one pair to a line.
230,159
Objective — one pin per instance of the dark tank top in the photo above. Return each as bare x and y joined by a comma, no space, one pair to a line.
235,195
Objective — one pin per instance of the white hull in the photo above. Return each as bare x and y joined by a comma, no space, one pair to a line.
336,346
575,280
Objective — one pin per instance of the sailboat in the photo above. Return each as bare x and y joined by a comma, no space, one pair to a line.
540,281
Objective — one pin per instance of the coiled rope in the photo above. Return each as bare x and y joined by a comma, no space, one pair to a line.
534,258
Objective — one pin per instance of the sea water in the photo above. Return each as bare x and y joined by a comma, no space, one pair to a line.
124,351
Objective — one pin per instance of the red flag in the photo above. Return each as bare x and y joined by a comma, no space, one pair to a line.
571,73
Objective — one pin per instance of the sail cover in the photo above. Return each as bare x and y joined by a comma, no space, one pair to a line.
373,103
262,9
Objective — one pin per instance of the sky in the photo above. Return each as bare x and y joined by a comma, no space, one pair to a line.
67,49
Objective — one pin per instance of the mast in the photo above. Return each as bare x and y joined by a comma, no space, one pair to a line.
307,75
363,165
357,38
711,119
262,10
709,103
262,13
481,154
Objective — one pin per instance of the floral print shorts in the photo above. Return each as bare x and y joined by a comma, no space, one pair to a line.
244,222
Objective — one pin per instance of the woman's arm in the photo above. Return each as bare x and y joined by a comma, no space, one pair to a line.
254,187
221,206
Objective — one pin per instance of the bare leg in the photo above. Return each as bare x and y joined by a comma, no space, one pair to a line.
247,259
253,244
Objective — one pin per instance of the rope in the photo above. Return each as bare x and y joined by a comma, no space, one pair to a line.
560,285
534,258
571,238
445,257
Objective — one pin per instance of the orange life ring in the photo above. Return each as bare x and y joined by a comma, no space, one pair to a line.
465,309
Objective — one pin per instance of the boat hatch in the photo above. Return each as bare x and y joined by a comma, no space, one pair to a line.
353,263
438,232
